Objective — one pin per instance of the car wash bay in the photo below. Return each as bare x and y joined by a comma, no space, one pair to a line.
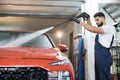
40,14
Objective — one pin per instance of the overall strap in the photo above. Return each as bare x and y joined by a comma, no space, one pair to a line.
112,41
96,38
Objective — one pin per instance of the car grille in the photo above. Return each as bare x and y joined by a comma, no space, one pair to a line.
23,73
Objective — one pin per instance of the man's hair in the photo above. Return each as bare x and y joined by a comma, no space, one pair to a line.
99,14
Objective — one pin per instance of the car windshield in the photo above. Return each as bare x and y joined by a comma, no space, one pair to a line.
39,41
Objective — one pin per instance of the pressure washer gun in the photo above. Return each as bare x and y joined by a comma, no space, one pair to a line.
83,15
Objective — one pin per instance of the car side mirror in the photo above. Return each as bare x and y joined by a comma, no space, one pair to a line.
62,47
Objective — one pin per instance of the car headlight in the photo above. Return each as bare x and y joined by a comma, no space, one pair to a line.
58,75
61,62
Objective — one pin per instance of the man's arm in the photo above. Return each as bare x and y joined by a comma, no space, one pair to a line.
91,28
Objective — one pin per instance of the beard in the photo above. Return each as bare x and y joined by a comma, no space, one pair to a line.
100,25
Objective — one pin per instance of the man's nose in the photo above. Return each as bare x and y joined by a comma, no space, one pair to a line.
97,23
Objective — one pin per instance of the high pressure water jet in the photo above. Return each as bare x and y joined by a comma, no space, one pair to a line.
21,40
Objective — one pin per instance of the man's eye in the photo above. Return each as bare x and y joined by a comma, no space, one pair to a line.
96,19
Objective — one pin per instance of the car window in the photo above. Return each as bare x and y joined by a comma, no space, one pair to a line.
39,41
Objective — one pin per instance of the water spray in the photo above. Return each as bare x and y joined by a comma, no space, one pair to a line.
26,38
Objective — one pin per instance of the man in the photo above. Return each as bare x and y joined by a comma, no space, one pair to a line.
103,43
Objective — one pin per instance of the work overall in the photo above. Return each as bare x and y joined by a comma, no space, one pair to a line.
103,61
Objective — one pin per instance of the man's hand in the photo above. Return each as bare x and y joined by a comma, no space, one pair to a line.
76,20
84,15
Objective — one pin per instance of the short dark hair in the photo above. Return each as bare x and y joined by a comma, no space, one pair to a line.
99,14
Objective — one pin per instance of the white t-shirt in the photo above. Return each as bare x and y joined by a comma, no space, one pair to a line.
106,38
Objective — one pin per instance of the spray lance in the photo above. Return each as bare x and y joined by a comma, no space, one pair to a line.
83,15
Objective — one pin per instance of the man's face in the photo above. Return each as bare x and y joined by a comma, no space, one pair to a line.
99,21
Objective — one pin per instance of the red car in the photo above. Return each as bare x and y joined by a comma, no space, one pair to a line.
34,59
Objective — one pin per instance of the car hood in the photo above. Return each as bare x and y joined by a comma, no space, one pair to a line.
31,53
